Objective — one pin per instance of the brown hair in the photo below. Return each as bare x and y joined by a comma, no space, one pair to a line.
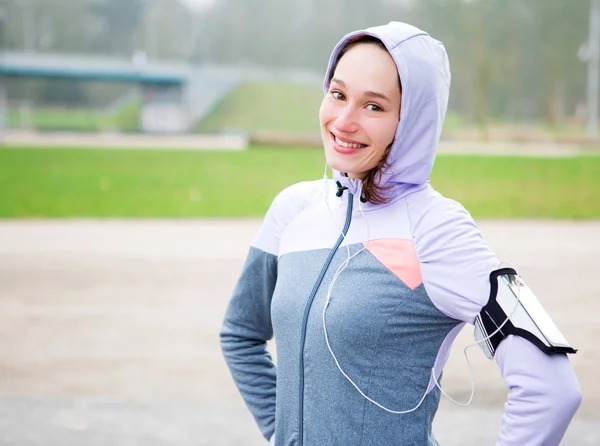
372,191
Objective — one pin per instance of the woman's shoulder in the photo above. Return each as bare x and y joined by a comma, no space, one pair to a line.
286,205
442,226
296,197
429,209
292,200
299,193
455,261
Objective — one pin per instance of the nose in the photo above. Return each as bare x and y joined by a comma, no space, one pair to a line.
347,120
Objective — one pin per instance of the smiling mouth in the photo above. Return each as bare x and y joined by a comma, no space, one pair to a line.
347,145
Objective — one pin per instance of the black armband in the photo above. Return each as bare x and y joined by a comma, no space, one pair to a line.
513,309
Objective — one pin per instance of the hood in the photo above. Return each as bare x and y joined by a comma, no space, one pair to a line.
424,71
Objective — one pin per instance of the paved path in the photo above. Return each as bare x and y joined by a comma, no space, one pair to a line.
109,331
23,138
107,140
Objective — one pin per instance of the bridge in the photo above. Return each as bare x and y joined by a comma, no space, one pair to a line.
176,95
76,67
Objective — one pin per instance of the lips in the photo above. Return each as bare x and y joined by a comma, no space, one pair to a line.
346,146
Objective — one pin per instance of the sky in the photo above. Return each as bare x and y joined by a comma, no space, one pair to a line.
197,4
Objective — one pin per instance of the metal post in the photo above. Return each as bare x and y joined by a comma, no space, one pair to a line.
593,59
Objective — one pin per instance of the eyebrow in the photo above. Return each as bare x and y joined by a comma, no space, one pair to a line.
370,93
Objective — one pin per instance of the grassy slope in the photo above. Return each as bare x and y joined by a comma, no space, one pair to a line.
287,108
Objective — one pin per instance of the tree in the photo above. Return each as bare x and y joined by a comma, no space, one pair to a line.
510,58
117,23
561,28
165,30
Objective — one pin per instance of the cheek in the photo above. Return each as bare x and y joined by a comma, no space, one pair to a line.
385,133
323,112
327,112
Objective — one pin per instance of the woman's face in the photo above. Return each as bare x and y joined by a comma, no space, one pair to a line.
360,113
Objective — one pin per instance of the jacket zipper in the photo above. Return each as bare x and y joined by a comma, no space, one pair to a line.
311,298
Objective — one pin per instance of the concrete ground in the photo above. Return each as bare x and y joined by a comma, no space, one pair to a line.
109,332
25,138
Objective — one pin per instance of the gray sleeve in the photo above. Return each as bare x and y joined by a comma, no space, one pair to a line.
244,335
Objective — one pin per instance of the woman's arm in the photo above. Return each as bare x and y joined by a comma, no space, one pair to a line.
247,326
543,394
244,335
456,264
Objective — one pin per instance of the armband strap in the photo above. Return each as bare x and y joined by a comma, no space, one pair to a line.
513,309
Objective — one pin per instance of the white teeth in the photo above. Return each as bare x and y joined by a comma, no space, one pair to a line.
350,146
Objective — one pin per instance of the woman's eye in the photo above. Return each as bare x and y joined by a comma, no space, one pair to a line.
337,95
374,107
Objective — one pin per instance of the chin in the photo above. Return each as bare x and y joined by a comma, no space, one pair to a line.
336,161
341,165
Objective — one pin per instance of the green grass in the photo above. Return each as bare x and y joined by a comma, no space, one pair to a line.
270,107
125,118
47,182
57,119
514,187
131,183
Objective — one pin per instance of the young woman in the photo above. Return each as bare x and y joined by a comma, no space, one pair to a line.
365,281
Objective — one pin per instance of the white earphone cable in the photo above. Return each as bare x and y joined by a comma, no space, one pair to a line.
338,272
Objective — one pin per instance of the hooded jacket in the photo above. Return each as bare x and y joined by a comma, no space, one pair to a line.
419,271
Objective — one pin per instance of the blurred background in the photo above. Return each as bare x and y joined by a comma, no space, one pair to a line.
142,141
519,68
